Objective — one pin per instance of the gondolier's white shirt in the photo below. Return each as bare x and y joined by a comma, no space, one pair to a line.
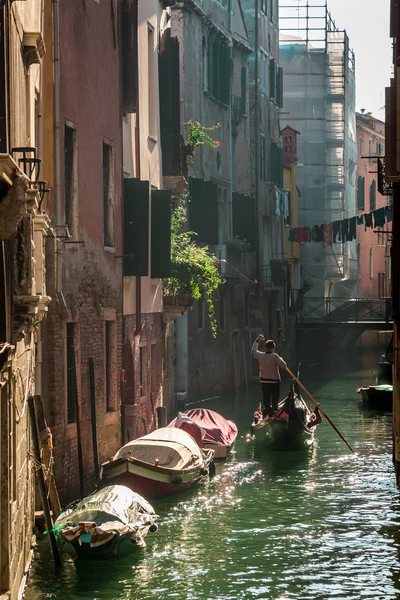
269,363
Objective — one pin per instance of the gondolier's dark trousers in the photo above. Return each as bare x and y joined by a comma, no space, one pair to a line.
270,391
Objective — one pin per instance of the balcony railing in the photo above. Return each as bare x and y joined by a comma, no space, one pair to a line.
274,274
384,187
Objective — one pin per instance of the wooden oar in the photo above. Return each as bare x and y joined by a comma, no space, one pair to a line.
319,408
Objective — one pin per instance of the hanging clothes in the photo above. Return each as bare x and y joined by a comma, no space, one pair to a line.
302,234
328,229
360,220
379,217
368,220
352,229
389,213
344,229
336,231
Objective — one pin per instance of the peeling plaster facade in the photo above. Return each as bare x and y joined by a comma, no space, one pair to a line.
23,295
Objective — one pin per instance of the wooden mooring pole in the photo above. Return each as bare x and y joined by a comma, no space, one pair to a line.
42,484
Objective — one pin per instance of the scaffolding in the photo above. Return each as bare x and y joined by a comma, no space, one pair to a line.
319,102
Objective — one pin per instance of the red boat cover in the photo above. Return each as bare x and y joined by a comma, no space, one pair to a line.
218,429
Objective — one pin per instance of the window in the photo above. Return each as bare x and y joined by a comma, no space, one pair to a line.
272,78
143,371
381,237
361,145
219,69
370,150
263,158
204,63
72,389
151,65
372,196
263,6
381,285
379,148
109,352
243,86
70,180
360,193
371,263
200,313
288,217
359,257
108,195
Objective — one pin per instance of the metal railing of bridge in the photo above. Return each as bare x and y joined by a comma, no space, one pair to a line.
345,310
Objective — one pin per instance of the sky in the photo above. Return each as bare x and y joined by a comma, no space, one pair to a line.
367,25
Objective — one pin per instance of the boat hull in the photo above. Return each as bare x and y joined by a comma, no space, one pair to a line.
285,436
380,397
118,547
149,481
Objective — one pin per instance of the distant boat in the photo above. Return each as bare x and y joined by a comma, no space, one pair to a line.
217,433
290,427
380,395
111,522
377,396
166,461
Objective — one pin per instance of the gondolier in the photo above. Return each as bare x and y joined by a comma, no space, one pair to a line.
270,377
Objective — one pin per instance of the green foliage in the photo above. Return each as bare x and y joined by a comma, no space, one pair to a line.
237,244
198,135
193,267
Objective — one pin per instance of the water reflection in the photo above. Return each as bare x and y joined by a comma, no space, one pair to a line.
298,525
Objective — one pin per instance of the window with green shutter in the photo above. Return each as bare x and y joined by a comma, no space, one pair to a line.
277,164
263,167
272,78
360,193
219,69
279,87
136,227
372,196
160,233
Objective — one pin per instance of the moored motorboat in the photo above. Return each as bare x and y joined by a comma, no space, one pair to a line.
111,522
166,461
217,433
290,427
377,396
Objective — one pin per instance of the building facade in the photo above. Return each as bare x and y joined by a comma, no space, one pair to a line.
83,333
24,225
211,37
319,101
147,218
373,245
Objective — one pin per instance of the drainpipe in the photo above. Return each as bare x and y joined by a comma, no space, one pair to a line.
230,167
138,279
256,119
57,141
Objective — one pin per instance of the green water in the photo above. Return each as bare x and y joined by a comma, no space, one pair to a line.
303,525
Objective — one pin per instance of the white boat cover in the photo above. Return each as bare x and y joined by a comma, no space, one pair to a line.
168,447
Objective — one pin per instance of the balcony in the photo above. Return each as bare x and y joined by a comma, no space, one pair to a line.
275,274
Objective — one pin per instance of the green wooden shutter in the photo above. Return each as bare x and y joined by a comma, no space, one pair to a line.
243,86
160,233
244,218
277,164
129,54
211,212
262,157
210,65
272,78
136,227
279,94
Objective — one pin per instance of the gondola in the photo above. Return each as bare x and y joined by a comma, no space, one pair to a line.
292,426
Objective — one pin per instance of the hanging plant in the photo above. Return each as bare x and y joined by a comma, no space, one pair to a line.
193,268
198,135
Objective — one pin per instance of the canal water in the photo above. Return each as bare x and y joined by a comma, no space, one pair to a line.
308,525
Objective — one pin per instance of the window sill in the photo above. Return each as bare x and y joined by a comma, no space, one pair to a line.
220,102
153,139
109,249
